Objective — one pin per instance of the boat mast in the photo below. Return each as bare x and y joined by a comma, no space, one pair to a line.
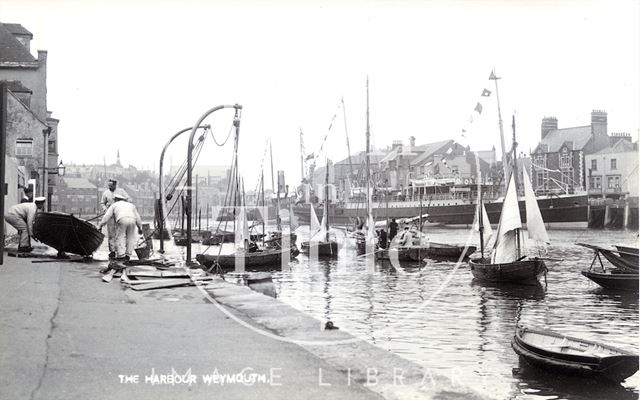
344,113
505,169
326,202
367,161
301,157
514,171
481,223
273,186
262,190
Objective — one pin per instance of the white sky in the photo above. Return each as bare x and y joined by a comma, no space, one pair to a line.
127,75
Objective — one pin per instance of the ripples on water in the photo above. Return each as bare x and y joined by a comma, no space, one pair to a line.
465,330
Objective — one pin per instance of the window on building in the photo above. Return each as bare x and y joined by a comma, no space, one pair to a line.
565,158
614,163
24,147
567,178
594,165
596,182
52,147
613,182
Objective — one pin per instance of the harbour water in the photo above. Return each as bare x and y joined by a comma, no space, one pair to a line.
435,314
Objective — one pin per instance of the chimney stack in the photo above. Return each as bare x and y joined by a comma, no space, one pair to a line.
548,124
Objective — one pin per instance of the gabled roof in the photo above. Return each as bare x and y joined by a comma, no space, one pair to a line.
556,138
79,183
16,87
359,158
11,50
621,146
18,29
429,150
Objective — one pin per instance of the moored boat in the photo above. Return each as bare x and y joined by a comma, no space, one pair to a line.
614,281
524,271
438,251
321,243
261,260
66,233
509,262
559,353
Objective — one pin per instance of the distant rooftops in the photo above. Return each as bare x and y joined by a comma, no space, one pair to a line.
555,139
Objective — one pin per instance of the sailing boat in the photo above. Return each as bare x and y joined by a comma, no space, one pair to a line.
508,262
368,239
247,255
324,246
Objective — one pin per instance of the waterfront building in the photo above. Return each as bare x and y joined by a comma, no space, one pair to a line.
32,133
558,162
613,171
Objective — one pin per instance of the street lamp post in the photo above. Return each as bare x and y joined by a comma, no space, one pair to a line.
236,123
59,170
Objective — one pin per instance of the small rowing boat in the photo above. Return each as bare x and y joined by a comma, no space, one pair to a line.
556,352
66,233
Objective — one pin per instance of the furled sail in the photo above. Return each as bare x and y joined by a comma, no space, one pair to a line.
505,247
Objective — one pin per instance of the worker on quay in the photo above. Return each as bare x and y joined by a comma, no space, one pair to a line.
21,217
126,218
106,202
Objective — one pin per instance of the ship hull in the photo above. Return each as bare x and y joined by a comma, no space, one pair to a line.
570,211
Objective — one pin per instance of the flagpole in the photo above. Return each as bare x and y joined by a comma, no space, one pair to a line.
505,168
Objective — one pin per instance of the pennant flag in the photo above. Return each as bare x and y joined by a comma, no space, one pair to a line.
493,77
309,157
486,93
478,108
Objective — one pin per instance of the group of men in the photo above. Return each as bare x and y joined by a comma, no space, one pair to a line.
120,216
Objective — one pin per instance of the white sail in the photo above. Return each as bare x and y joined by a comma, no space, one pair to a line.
314,224
242,229
486,225
293,220
535,224
505,247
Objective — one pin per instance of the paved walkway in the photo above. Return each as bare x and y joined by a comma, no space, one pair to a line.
64,334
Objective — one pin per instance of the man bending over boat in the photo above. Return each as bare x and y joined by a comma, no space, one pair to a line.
21,217
126,219
106,202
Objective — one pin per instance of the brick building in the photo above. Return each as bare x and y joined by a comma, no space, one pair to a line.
77,196
558,162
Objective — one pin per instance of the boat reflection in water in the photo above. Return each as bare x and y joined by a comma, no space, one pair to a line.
541,384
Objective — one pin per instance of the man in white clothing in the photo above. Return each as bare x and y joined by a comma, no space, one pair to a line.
21,217
106,202
127,220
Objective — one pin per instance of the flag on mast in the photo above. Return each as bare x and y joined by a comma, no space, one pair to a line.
486,92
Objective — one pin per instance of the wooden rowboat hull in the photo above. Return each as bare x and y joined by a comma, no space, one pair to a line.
555,352
66,233
265,260
523,272
323,249
626,282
